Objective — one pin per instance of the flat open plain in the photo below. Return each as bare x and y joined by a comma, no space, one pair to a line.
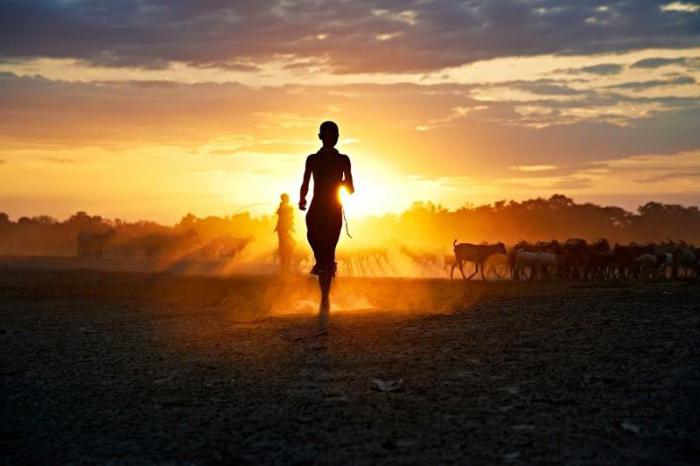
129,368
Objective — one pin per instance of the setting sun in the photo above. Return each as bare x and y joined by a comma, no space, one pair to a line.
343,195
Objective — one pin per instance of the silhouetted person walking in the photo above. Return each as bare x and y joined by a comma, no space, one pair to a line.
284,229
330,170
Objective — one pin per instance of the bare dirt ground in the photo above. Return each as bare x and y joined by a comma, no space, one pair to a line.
106,367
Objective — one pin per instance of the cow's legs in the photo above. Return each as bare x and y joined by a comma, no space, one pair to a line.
461,269
476,269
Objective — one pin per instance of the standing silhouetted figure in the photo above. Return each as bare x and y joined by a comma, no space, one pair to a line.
284,229
330,170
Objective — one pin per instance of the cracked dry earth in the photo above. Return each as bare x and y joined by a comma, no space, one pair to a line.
128,368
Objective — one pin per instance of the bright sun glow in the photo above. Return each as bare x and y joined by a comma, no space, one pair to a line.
343,195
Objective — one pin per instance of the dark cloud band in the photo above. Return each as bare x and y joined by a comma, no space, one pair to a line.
357,36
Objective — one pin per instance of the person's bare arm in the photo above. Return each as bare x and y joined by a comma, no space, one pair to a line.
350,186
305,185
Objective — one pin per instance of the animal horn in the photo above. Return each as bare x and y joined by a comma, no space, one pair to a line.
454,243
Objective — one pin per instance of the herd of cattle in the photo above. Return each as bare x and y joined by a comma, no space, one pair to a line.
576,259
573,259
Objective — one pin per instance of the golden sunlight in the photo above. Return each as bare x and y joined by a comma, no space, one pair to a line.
376,193
343,195
307,204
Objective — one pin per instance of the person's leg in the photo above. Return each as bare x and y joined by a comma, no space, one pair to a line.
313,234
333,237
330,236
325,276
325,263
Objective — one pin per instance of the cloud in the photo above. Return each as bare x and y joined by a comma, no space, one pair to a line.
425,35
571,183
552,183
461,133
694,174
643,85
680,7
542,87
533,168
659,62
604,69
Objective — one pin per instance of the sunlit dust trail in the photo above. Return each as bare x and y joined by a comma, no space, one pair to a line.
286,295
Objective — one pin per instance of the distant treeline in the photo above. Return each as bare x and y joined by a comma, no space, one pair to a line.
44,235
558,217
424,225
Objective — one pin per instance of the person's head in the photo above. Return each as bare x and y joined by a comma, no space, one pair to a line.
284,198
328,133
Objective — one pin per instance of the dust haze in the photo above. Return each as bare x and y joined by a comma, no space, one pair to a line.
415,243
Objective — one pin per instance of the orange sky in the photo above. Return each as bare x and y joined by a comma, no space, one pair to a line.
131,140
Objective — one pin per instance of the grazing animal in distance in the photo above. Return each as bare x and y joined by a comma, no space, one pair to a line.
94,244
225,247
551,247
165,245
448,262
364,262
684,260
426,261
599,258
573,259
476,253
646,266
541,264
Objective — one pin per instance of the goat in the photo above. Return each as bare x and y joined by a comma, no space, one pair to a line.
539,263
476,253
